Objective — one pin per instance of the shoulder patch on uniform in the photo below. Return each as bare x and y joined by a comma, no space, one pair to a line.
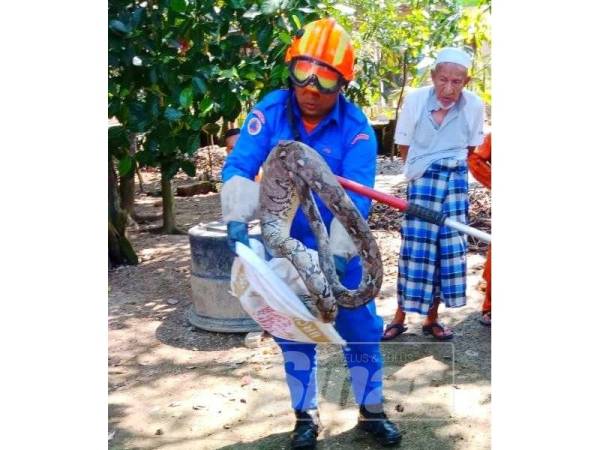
360,137
258,113
254,126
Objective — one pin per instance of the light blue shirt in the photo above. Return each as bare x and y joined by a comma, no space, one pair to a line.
429,142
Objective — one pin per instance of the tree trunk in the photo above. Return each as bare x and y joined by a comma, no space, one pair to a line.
127,182
169,225
140,179
210,166
401,97
404,76
120,250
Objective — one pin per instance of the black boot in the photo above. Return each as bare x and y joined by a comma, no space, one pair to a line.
308,426
374,421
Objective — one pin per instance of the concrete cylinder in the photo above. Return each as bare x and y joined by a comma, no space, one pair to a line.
213,307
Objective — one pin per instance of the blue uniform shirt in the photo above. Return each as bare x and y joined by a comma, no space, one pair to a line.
343,138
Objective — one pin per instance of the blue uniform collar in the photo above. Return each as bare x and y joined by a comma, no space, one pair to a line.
334,114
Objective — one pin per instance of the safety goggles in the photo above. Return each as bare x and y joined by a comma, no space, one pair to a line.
305,71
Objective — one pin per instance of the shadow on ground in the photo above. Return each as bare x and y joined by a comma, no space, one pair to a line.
176,331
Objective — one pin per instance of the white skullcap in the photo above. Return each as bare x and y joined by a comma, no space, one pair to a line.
454,55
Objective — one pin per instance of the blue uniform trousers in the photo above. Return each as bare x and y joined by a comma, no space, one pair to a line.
361,328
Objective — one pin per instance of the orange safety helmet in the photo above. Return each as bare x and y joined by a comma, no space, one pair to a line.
326,41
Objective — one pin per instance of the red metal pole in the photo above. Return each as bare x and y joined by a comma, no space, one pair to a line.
388,199
414,210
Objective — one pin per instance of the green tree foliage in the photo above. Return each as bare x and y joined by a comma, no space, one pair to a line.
396,41
176,67
475,33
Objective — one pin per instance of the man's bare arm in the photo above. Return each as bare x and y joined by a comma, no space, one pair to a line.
403,151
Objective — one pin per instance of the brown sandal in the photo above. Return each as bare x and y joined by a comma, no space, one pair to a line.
486,319
446,332
398,328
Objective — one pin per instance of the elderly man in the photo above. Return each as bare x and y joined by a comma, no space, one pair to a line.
438,127
314,110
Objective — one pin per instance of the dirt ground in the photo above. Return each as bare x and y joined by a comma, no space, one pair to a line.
175,387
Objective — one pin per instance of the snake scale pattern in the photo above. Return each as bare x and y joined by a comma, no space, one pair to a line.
290,173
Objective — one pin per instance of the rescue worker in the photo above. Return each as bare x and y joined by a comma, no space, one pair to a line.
313,110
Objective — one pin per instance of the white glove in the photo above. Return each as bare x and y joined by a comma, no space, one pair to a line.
239,199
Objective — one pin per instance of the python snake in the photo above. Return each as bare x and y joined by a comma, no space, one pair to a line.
290,173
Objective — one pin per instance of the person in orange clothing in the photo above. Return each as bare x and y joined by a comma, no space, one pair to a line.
480,165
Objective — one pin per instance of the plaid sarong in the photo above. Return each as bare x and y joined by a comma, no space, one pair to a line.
432,262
